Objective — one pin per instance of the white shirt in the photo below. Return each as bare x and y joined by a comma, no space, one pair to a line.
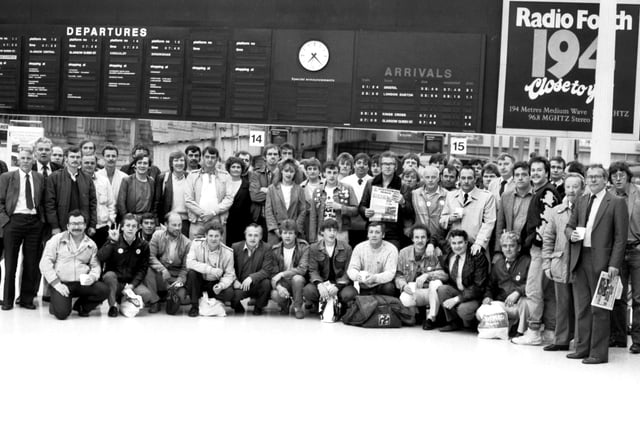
286,194
179,189
41,168
21,206
358,189
288,257
457,275
209,194
115,181
592,217
106,204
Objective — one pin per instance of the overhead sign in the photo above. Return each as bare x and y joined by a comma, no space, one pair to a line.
547,68
256,138
458,145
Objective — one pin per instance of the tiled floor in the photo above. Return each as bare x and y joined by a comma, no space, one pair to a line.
273,370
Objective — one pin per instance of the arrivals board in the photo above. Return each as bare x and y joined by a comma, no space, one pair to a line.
10,47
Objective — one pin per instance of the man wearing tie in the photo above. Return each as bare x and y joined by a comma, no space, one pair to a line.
43,163
21,221
597,230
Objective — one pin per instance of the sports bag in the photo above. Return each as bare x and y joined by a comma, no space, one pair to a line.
377,311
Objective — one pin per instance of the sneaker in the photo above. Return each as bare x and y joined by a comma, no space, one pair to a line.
530,337
549,337
299,312
113,311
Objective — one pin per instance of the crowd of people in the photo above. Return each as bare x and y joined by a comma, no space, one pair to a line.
530,237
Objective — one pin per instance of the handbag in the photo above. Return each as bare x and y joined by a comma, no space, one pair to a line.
173,301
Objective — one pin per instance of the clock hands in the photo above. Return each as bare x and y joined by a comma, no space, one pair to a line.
314,56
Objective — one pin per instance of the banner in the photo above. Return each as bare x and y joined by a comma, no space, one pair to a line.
548,64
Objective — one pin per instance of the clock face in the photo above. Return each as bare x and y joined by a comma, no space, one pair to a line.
313,55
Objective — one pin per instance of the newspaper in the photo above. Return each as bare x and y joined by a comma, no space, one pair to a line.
607,292
384,202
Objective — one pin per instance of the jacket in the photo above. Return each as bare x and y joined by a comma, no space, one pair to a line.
157,258
10,190
479,214
129,194
544,199
130,263
428,211
219,268
300,262
58,196
346,197
105,202
276,212
555,248
194,191
409,269
258,266
61,263
319,260
505,281
475,275
505,217
258,179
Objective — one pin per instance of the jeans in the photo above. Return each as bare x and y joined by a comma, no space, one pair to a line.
294,285
534,290
89,297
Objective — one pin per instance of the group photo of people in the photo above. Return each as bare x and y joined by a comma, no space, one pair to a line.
278,234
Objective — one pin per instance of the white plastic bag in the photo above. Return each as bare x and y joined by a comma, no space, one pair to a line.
211,306
329,310
131,303
494,322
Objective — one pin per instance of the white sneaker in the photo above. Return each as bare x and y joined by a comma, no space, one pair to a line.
548,337
530,337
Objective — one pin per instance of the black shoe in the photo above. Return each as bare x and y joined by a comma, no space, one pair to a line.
238,308
113,311
616,343
6,307
194,311
428,325
257,311
593,361
28,305
82,312
154,307
556,347
577,355
634,349
450,327
285,307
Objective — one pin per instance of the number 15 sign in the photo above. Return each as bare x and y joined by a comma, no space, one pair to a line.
547,68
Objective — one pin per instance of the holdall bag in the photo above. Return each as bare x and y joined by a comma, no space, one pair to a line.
378,311
173,301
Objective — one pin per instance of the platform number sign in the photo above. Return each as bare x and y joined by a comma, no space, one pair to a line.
458,145
256,138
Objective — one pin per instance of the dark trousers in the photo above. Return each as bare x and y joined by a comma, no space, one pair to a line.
565,316
592,337
196,285
260,292
631,270
89,297
23,230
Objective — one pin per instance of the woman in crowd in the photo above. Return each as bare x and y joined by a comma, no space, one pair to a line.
240,211
285,200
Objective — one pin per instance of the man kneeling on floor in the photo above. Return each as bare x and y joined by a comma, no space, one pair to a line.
420,275
468,279
210,265
373,265
168,251
70,265
125,260
290,260
328,262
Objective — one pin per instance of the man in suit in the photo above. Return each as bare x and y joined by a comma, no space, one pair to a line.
259,181
468,280
598,231
43,163
252,261
514,205
505,183
21,221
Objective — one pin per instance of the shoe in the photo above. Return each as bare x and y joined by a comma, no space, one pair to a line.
28,305
616,343
299,312
450,327
113,311
548,337
257,311
154,307
428,325
577,355
593,361
17,300
530,337
6,307
194,311
46,298
82,312
285,307
634,349
556,347
238,308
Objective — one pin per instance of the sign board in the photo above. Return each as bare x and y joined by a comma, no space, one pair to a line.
458,145
25,133
547,69
256,138
433,143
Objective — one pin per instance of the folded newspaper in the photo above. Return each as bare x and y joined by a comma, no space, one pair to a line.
607,292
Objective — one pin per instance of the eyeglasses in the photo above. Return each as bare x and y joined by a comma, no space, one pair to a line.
619,175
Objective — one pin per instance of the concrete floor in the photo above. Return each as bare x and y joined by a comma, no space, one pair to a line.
274,370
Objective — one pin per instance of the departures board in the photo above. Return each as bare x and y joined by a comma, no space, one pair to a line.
417,81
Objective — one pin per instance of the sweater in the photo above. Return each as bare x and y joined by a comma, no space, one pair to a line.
380,263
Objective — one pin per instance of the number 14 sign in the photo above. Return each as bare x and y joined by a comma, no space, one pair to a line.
548,62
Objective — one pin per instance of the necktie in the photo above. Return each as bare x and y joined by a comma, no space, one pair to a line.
359,181
45,171
454,269
502,184
27,192
466,198
591,199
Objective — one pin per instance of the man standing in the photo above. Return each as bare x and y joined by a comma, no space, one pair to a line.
168,251
70,266
208,197
402,203
471,209
105,202
43,164
125,260
513,206
449,179
113,174
505,184
21,222
57,156
599,247
428,203
358,181
252,262
260,180
210,265
373,265
557,174
69,189
544,199
193,157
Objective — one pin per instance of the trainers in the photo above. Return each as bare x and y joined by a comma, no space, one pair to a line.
549,337
113,311
299,312
530,337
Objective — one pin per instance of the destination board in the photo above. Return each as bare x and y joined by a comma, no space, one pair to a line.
81,75
122,76
41,79
9,72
